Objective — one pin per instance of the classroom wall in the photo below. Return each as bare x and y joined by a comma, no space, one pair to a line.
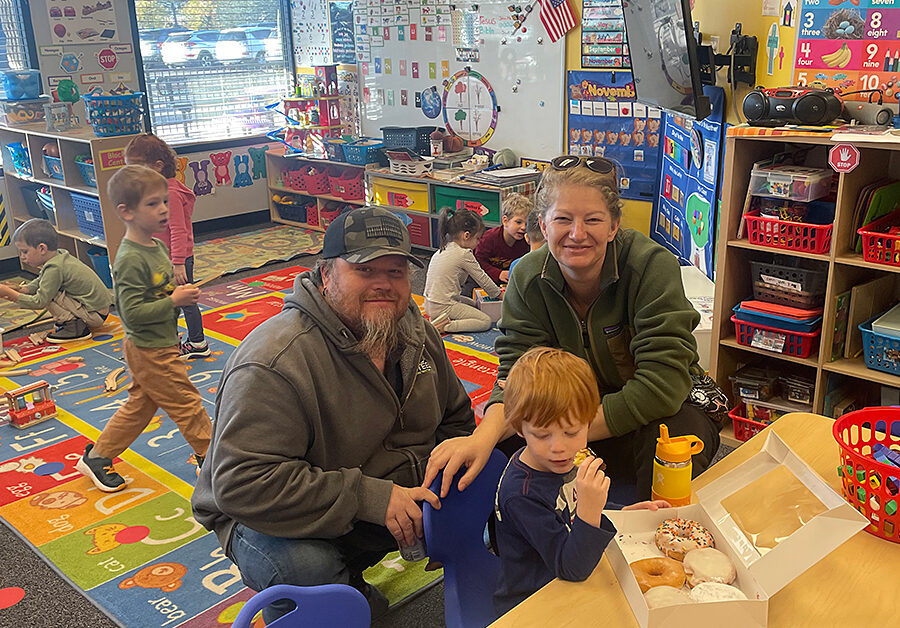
635,214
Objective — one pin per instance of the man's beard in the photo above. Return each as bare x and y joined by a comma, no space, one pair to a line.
378,334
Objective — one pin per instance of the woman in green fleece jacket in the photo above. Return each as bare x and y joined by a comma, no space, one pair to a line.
615,298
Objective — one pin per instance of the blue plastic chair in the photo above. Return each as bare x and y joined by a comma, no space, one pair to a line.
454,536
319,606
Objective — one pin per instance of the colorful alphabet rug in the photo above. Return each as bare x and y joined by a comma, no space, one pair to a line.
139,554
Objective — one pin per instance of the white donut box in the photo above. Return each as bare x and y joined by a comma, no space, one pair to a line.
759,576
489,306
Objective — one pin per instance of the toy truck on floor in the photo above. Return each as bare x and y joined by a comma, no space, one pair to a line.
30,404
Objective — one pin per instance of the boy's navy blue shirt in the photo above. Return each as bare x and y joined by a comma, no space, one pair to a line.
538,536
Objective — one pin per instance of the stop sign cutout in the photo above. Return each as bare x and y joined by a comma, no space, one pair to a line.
843,158
107,59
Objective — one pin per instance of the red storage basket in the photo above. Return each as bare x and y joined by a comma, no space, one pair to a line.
784,234
293,179
312,214
334,181
796,343
871,487
316,181
879,246
744,428
327,215
351,186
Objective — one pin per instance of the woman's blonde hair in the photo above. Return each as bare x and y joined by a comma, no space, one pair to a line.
552,180
547,386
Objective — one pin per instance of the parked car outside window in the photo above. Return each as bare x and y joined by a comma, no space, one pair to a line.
192,48
151,40
238,45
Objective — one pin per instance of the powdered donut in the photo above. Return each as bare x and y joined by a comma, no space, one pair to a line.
657,572
716,592
666,596
708,565
676,537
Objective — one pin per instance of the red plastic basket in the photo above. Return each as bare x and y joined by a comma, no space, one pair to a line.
312,215
783,234
351,186
334,181
293,179
871,487
316,181
796,343
877,245
744,428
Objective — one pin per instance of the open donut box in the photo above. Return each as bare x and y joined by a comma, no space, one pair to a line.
759,574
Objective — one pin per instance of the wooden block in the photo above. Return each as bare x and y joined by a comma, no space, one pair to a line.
38,338
13,355
15,372
112,377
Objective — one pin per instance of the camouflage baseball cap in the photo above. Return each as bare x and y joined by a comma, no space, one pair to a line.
367,233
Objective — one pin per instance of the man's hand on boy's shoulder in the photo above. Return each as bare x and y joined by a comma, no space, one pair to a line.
592,488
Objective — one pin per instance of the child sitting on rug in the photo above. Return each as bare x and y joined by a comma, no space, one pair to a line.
148,150
72,292
542,531
533,235
448,310
146,300
501,245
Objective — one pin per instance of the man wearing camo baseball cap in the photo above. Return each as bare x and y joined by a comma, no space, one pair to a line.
326,416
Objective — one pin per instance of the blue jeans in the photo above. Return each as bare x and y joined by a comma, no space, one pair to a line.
192,317
267,560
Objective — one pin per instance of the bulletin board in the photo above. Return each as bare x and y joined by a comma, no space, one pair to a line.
849,45
462,66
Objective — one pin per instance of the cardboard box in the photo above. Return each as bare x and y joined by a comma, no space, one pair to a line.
486,304
760,574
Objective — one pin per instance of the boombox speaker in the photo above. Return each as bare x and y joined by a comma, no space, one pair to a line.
791,105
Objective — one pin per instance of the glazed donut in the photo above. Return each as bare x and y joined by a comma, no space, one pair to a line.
708,565
677,537
716,592
666,596
657,572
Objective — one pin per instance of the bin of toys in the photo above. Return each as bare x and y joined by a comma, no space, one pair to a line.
795,183
328,213
744,428
869,469
88,215
881,240
315,180
290,207
21,162
120,114
363,151
21,84
334,177
86,168
813,236
24,111
334,148
881,352
294,179
351,185
793,343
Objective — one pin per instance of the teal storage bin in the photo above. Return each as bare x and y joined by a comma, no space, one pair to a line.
100,260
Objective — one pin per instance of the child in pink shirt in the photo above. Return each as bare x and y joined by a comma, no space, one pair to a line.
148,150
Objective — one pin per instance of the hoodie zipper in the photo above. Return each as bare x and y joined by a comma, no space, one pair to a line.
585,332
413,460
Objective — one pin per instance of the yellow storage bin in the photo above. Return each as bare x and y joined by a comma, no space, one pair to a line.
400,194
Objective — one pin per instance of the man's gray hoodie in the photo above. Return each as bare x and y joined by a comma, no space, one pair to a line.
309,436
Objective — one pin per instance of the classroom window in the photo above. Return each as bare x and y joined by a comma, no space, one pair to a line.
13,48
211,66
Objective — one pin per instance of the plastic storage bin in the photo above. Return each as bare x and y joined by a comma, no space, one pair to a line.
486,204
363,151
797,344
752,382
412,168
115,115
744,428
400,194
881,353
784,234
334,148
790,278
38,203
18,154
796,183
53,167
21,84
881,240
88,215
797,389
100,260
870,486
87,172
24,111
399,137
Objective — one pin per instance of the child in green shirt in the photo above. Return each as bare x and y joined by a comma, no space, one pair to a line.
66,287
147,300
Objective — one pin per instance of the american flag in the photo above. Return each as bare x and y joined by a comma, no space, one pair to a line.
557,18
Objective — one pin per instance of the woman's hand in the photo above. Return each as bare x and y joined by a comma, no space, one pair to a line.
653,505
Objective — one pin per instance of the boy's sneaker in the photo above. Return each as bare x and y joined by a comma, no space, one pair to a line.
100,471
70,331
190,351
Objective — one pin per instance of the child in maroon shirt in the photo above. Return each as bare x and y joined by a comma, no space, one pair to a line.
498,247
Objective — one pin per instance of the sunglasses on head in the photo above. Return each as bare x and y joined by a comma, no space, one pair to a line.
599,165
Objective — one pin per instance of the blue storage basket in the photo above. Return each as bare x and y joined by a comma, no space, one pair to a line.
334,148
87,173
88,215
781,322
53,166
20,160
363,151
100,260
21,84
115,115
882,353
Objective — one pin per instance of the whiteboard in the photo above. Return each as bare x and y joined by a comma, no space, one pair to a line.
524,72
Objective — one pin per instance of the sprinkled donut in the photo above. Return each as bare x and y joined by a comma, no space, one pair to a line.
677,537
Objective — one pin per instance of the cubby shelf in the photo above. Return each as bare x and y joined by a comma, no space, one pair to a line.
844,267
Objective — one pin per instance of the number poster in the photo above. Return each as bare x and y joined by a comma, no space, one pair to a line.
849,45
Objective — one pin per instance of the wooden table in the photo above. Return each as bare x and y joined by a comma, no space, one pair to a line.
856,585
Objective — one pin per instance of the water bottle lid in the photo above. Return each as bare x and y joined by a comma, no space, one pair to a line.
677,449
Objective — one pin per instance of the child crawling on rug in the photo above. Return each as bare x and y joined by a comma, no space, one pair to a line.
147,300
66,287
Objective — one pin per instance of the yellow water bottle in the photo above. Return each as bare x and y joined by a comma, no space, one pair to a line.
672,467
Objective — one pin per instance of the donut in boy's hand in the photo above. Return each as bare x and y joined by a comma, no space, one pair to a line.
582,454
677,537
658,572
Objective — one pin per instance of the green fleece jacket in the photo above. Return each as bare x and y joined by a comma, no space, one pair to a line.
64,273
637,335
310,436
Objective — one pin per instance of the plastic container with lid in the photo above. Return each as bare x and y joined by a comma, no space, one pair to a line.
21,84
752,382
796,183
24,111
